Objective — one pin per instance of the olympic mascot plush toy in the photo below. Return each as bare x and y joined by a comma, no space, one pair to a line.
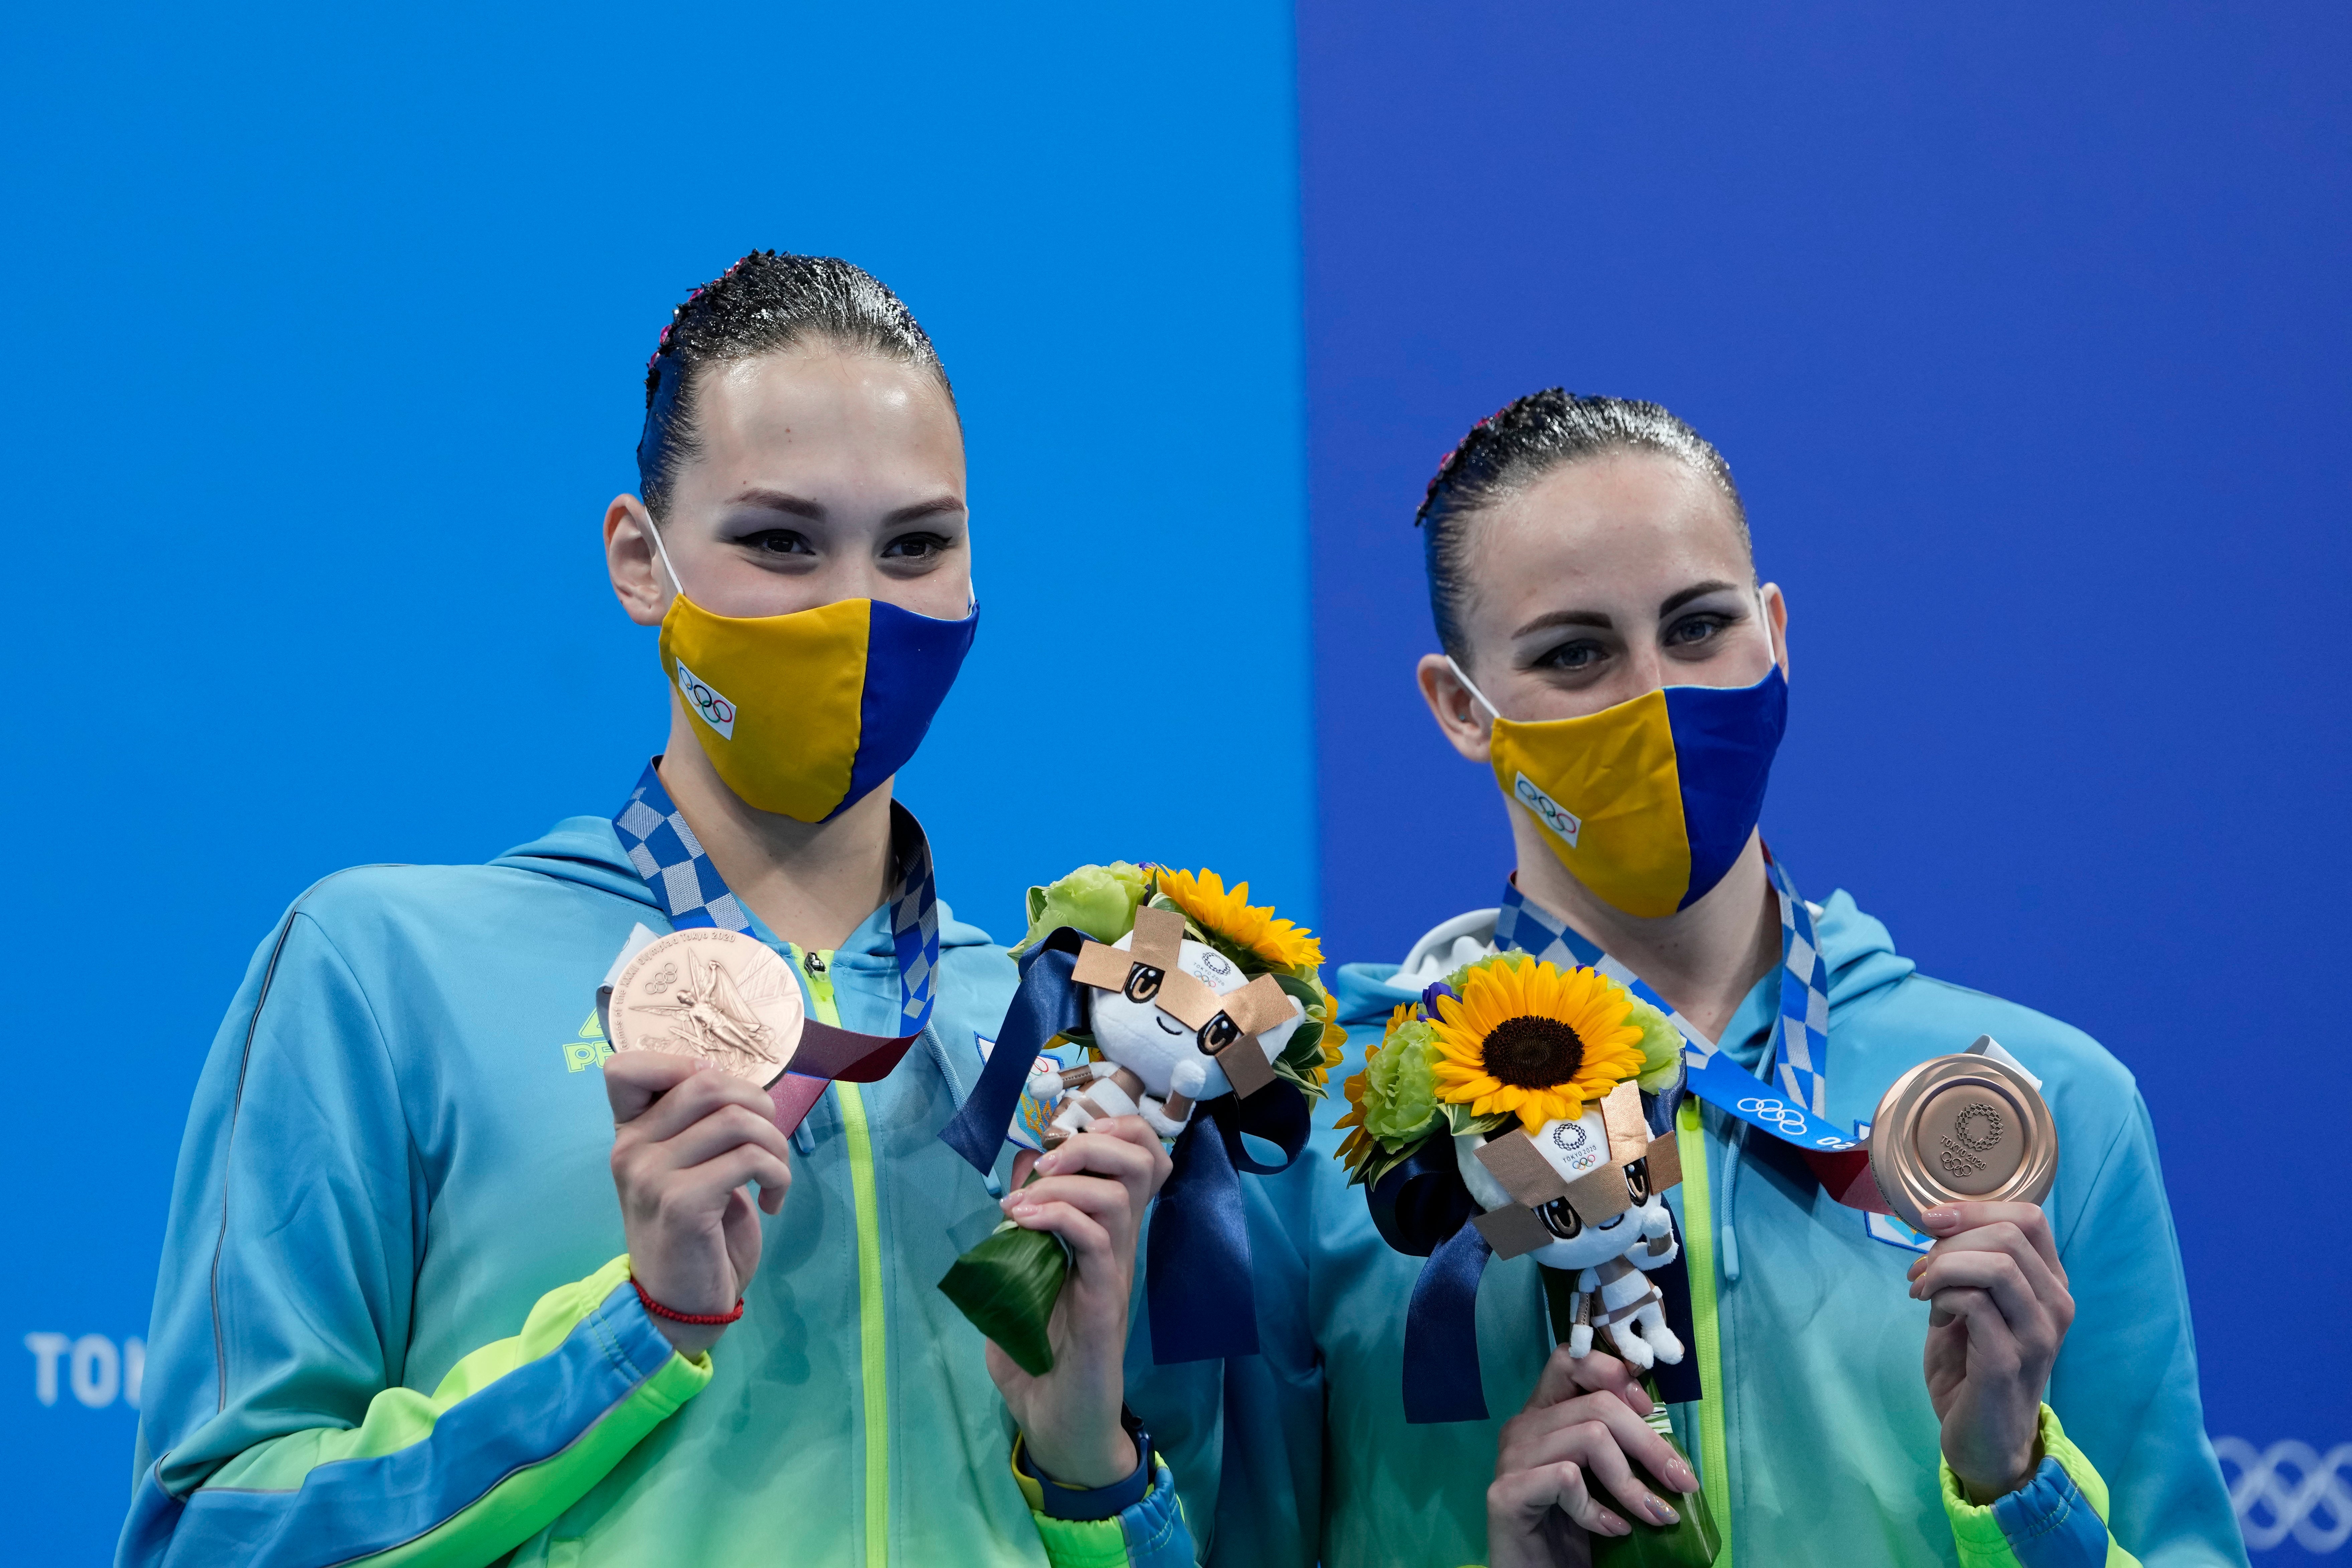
1152,993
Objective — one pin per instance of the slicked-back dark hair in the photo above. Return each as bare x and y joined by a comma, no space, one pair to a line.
1520,443
770,301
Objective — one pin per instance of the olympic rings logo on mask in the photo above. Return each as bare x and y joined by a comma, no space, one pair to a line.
716,710
2295,1487
1780,1115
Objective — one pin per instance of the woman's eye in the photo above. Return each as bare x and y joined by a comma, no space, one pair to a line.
777,542
915,547
1571,656
1695,629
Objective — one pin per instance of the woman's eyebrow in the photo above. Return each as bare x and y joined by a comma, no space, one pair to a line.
780,500
935,507
1696,591
1551,619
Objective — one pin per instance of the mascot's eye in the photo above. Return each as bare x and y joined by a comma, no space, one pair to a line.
1144,983
1561,1219
1217,1034
1637,1179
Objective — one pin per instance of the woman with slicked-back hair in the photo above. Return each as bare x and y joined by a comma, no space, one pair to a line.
2012,1385
588,1206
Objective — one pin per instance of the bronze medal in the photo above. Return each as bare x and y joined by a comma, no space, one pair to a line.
710,992
1962,1128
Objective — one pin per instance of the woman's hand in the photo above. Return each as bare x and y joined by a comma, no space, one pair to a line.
1091,1191
1582,1421
1996,1272
686,1140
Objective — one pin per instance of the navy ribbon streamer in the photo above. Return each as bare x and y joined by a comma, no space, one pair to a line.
1198,1274
1203,1307
1047,1003
1421,1208
1441,1333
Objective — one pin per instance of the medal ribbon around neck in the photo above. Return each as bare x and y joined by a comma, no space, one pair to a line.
1799,1113
687,886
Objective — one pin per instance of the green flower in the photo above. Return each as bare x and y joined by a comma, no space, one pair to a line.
1101,900
1662,1046
1400,1095
1454,980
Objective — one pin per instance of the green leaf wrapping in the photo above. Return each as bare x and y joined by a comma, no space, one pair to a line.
1007,1286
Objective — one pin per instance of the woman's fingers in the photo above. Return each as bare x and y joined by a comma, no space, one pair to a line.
634,1079
724,1127
1599,1432
1998,1276
1565,1376
1089,1243
1123,1147
1953,1221
1993,1348
715,1179
1102,1201
1519,1499
2012,1240
691,1099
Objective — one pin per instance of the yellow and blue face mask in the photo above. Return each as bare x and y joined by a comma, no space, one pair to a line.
1648,804
803,714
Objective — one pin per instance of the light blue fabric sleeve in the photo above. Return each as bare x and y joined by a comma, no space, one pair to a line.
283,1306
2125,1382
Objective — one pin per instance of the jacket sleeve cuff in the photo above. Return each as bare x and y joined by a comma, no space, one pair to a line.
2058,1518
1138,1522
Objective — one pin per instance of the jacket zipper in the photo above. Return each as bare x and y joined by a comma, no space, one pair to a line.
1699,1237
872,1332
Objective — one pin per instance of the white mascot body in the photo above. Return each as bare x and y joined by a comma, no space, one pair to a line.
1609,1258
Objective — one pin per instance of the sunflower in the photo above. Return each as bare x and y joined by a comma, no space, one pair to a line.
1530,1038
1228,918
1334,1043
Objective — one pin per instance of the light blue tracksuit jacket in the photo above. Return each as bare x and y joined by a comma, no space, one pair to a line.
1832,1447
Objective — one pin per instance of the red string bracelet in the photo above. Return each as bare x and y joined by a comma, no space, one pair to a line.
706,1319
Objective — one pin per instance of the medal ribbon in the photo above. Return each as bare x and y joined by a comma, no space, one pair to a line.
1799,1113
690,892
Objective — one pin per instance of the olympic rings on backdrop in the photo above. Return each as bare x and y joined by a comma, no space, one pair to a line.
2295,1487
1780,1115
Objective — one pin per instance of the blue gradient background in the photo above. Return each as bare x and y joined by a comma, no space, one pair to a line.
2025,331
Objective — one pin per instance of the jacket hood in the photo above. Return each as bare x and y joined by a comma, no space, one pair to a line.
1861,953
586,850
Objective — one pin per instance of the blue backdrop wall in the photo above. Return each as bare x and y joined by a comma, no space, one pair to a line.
329,331
2026,333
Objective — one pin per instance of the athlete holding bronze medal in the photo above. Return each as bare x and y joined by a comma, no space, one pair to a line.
402,1316
1846,1389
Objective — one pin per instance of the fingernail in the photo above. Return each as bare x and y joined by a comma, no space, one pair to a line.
1662,1513
1940,1220
1611,1525
1683,1476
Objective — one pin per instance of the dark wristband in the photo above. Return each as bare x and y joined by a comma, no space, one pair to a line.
1096,1502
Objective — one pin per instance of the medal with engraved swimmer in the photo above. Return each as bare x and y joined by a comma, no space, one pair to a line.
710,992
1961,1129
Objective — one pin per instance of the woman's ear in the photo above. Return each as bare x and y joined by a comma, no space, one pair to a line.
638,581
1776,619
1460,715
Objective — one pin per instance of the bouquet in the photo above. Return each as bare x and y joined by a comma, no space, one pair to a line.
1175,1000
